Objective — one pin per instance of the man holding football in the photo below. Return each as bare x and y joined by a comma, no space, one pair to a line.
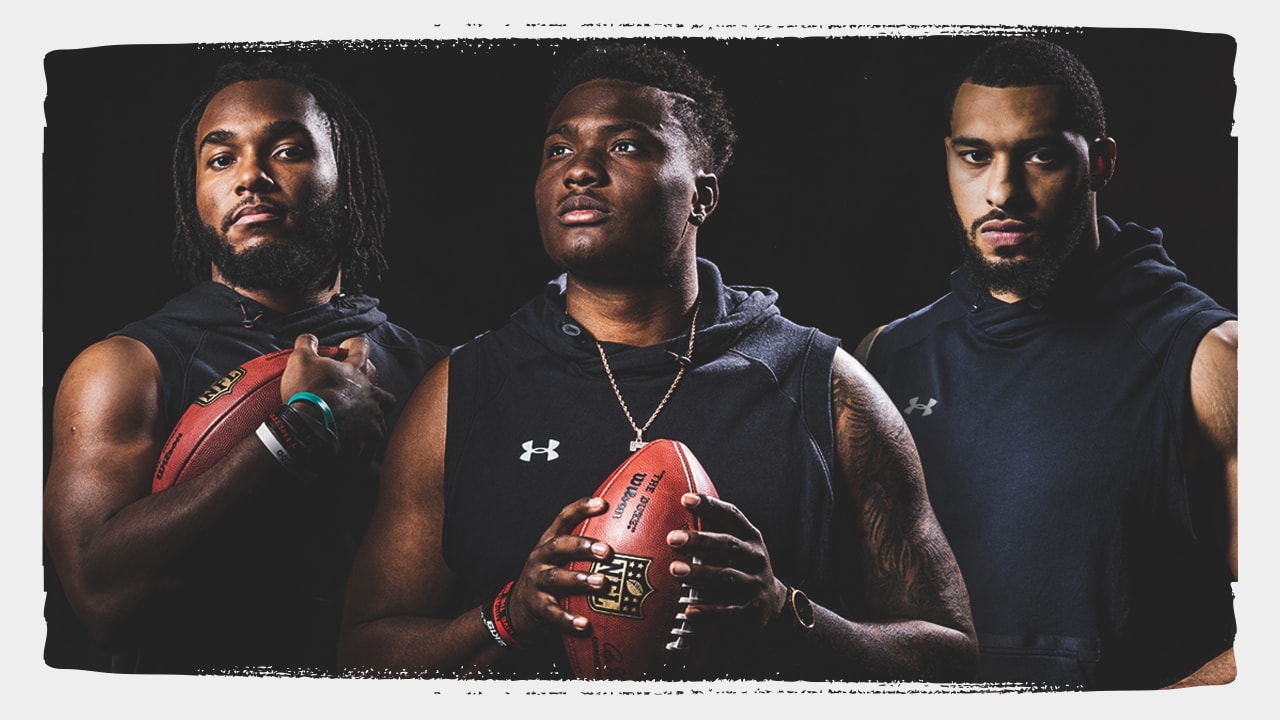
281,208
820,559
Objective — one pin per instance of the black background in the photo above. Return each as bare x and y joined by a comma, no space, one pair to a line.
836,196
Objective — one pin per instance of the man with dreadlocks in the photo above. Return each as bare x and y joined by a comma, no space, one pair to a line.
281,209
820,491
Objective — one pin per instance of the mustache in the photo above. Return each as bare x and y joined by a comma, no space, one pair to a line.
998,214
230,218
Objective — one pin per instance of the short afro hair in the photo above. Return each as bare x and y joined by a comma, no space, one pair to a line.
1025,61
705,113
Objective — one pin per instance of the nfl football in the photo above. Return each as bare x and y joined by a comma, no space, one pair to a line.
638,630
228,411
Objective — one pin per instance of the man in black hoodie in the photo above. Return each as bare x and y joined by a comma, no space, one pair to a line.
1073,400
281,208
502,446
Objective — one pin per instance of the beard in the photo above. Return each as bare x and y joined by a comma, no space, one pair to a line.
1032,276
302,264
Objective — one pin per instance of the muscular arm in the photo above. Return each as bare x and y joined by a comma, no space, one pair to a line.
406,611
1214,383
1214,397
402,600
911,618
918,622
115,544
110,539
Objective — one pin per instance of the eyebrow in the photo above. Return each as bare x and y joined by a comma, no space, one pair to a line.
277,128
567,129
1039,141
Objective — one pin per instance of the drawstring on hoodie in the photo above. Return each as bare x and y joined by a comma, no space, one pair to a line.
248,322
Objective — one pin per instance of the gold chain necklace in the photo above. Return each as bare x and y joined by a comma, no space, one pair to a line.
685,361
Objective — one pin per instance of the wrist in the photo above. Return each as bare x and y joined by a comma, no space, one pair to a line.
302,444
314,406
797,616
497,619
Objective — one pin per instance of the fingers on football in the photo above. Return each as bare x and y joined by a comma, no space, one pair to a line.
718,514
570,515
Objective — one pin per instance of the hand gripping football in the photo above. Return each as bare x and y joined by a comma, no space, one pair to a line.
638,628
224,414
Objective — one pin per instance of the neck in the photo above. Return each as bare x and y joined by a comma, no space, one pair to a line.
286,301
638,316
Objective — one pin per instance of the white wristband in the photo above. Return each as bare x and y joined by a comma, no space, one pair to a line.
281,455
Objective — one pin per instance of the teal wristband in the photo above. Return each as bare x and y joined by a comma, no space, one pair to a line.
329,422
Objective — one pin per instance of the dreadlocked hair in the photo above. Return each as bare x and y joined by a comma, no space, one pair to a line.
701,108
361,185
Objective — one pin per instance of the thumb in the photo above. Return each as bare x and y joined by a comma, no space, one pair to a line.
357,351
307,342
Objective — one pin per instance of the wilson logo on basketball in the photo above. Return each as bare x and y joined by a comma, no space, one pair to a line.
628,585
220,387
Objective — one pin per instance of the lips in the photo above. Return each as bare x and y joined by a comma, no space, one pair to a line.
257,213
581,209
1005,233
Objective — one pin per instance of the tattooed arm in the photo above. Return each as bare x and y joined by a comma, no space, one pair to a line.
912,620
916,620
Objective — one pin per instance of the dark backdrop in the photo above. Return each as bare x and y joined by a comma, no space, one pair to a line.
836,197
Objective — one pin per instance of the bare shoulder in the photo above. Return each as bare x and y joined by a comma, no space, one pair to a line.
107,430
1217,349
415,453
1214,382
113,386
863,350
428,403
871,435
117,355
853,386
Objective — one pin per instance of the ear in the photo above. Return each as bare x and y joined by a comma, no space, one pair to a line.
1102,162
706,195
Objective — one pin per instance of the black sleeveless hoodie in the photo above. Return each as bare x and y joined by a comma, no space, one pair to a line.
1062,459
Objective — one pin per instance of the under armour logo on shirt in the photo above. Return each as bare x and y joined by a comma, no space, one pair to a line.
549,450
915,404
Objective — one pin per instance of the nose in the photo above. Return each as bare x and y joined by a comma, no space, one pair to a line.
1006,185
253,175
585,168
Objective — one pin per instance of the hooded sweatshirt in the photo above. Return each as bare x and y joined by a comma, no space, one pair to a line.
262,592
533,424
1062,459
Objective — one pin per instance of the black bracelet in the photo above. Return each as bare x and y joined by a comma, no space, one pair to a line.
302,444
317,439
490,625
